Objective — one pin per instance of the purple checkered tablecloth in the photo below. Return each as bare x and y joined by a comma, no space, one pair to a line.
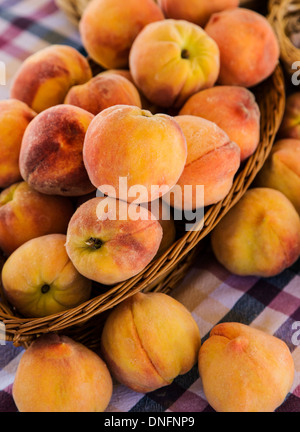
209,291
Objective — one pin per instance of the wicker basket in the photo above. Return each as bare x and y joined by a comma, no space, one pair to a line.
83,322
284,16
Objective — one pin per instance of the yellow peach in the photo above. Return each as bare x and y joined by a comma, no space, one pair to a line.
137,155
39,279
249,48
281,170
57,374
148,340
196,11
103,91
108,28
244,369
259,236
109,241
26,214
172,59
46,76
15,116
233,109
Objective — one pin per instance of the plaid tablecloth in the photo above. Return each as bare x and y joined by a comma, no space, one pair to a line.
210,292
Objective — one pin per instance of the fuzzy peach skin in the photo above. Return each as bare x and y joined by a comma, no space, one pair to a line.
109,27
195,11
172,59
57,374
290,125
259,236
249,48
39,279
281,170
15,116
51,159
145,151
162,212
145,104
244,369
233,109
103,91
26,214
148,340
212,162
109,241
45,77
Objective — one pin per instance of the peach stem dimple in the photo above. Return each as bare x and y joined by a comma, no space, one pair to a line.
94,243
185,54
45,288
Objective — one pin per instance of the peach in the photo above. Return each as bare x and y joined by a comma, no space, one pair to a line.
148,340
39,279
110,241
15,116
58,374
144,101
244,369
233,109
162,212
212,162
249,49
103,91
128,152
51,159
26,214
259,236
290,126
46,76
109,27
195,11
281,170
172,59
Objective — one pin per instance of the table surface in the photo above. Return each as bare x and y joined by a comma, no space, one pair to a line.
209,291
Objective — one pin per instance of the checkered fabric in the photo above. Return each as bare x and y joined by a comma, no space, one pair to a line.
210,292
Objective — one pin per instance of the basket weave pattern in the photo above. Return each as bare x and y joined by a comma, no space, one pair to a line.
165,272
281,12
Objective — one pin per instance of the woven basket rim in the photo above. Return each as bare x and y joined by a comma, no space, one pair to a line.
278,16
271,99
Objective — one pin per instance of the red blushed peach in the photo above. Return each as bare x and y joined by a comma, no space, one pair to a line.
195,11
39,279
134,155
212,163
172,59
259,236
51,158
103,91
46,76
249,49
109,27
148,340
244,369
109,241
15,116
57,374
290,126
233,109
26,214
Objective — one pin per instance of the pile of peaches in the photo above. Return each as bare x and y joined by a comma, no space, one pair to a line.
172,106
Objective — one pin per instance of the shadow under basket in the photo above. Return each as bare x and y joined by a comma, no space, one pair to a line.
84,323
284,16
